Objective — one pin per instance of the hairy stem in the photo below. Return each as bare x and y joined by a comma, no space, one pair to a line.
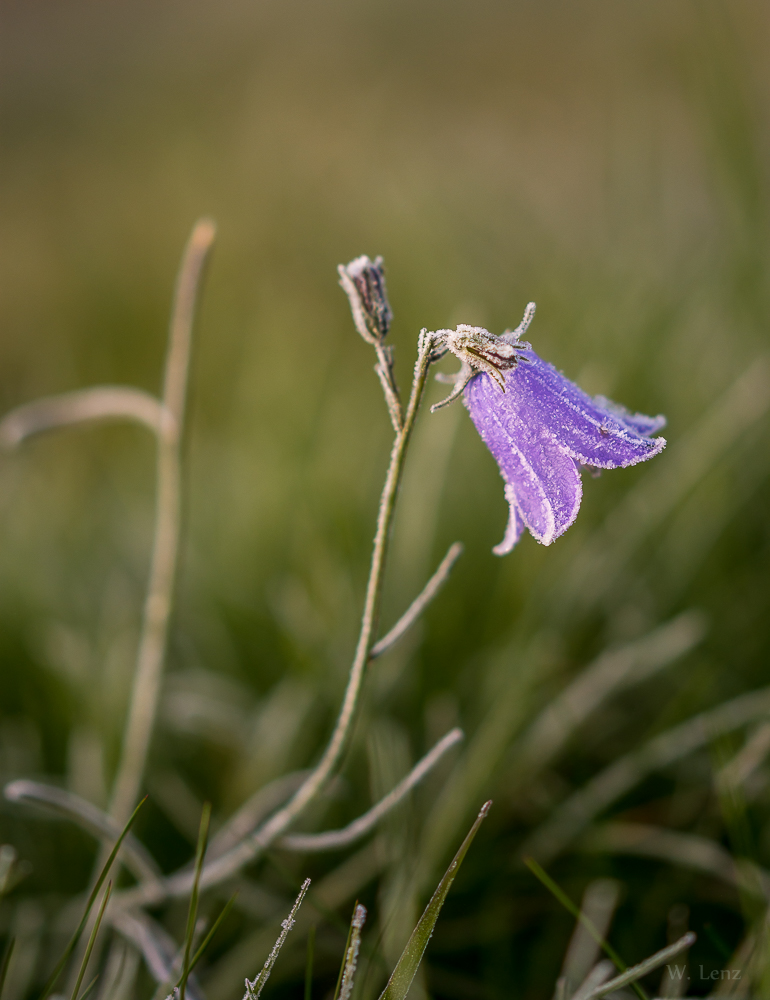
251,847
157,608
420,603
332,840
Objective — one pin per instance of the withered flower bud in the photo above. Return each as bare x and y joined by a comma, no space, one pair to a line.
363,281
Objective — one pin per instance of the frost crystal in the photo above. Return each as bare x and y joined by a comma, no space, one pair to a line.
364,283
541,429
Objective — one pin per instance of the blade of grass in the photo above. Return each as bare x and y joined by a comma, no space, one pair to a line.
253,989
338,984
567,903
6,962
309,963
653,962
192,913
8,858
94,892
89,989
406,968
351,954
91,941
205,943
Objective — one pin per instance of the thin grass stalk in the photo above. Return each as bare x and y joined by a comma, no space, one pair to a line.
253,989
157,609
596,977
91,942
84,919
350,962
134,854
309,964
214,928
420,603
152,942
318,778
568,905
402,976
192,913
338,984
655,961
89,989
598,905
6,962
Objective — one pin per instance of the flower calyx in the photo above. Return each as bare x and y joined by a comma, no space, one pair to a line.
481,351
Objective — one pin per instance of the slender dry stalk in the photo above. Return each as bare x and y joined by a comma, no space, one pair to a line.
253,989
598,905
332,840
420,603
637,971
255,844
351,956
104,402
600,973
133,853
157,609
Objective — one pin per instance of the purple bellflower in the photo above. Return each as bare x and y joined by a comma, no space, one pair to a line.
541,428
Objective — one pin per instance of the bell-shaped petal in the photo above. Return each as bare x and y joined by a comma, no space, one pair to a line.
591,433
540,430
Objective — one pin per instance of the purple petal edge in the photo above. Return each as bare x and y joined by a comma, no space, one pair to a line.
515,527
607,437
540,431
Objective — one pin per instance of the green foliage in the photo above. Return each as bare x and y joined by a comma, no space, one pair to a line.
608,161
73,942
192,912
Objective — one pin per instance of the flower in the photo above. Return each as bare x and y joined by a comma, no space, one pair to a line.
541,429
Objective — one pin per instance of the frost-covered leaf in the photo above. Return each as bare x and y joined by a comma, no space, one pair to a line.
406,967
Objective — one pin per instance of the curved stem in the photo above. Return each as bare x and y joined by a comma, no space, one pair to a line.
310,788
332,840
157,608
103,402
420,603
135,855
251,847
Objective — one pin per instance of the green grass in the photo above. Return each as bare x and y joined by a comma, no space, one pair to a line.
608,161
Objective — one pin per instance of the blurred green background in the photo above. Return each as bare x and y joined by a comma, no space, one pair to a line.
608,160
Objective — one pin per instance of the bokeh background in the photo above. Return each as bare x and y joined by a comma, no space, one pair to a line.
608,160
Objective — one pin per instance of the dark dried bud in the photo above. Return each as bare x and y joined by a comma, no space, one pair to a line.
363,281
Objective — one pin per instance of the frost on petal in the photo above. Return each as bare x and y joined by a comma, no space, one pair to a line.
543,481
638,422
515,528
591,433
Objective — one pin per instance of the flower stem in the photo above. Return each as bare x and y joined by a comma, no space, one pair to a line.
252,846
